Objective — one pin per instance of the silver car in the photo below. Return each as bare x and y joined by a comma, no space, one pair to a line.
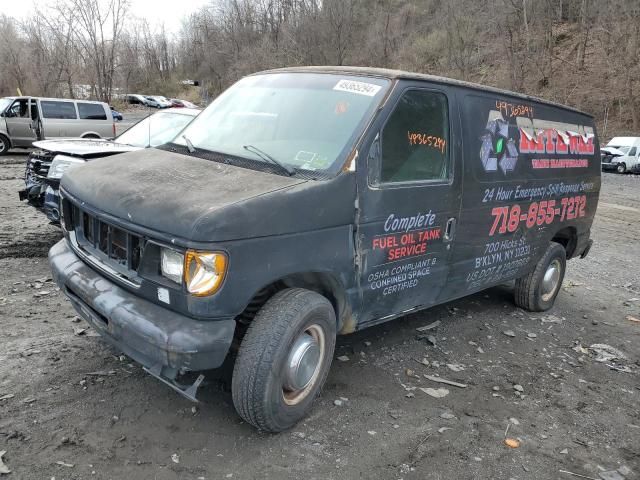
24,120
52,158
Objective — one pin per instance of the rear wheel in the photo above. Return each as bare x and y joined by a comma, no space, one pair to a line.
284,359
5,145
622,168
538,290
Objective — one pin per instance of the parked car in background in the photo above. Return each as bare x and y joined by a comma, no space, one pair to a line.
135,99
176,102
24,120
117,116
624,155
157,101
608,156
52,158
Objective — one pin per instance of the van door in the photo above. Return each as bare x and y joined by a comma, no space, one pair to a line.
18,120
408,202
36,119
59,117
631,159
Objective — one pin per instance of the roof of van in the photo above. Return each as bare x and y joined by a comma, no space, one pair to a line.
400,74
624,141
58,99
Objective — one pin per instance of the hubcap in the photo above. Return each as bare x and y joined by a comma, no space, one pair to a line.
2,145
303,364
551,280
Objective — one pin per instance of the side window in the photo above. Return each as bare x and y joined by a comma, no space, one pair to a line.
632,152
415,139
91,111
59,110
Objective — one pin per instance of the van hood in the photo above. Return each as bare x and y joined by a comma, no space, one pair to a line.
180,196
85,147
612,151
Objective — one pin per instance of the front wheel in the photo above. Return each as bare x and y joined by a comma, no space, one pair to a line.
4,145
538,290
284,359
622,168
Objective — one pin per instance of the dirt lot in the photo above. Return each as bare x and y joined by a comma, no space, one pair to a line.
73,408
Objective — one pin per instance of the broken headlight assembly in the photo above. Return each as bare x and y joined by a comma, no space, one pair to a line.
172,264
202,272
61,164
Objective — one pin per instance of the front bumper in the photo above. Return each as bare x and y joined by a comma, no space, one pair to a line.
609,167
159,339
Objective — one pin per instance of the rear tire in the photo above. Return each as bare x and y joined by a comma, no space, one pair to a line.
622,168
5,145
537,291
281,335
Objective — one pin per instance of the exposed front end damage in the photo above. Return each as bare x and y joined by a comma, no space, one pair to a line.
35,177
166,343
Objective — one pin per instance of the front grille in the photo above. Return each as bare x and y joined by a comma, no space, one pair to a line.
39,163
112,246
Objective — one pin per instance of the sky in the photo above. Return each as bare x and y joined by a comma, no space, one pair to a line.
157,12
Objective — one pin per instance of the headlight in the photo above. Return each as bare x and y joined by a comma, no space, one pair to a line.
172,265
62,163
204,272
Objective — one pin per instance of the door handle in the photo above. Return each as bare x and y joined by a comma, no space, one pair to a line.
450,229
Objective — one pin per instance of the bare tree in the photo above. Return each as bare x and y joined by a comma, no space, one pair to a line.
100,24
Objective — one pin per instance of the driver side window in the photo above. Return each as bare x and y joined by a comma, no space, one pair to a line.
20,109
415,139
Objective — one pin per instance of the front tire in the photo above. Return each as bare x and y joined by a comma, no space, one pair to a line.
284,359
622,168
537,291
5,145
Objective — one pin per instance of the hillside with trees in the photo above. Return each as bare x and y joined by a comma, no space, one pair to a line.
583,53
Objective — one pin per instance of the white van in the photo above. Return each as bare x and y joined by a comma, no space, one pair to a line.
622,154
24,120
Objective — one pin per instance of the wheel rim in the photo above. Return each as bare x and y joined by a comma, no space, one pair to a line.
551,280
303,364
621,168
3,145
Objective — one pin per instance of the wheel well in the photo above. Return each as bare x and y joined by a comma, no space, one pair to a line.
568,238
91,135
323,283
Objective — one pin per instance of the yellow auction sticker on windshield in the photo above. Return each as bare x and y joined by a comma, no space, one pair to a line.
361,88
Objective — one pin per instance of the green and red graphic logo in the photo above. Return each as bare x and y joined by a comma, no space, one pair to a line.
498,150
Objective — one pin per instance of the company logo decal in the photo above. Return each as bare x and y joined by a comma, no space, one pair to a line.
498,150
547,140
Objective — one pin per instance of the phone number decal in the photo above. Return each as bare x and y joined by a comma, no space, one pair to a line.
509,218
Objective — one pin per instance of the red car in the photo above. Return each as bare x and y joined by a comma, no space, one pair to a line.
176,103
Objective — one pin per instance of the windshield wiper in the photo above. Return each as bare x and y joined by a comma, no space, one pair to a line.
190,146
265,156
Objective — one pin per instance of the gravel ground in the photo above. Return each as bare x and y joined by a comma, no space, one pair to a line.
73,408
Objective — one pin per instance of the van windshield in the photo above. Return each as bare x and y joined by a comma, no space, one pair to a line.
624,150
306,121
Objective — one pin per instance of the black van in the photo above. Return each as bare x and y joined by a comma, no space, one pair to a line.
309,202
